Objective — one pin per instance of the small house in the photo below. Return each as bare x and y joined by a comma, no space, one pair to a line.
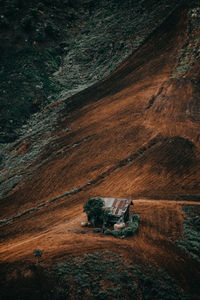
118,208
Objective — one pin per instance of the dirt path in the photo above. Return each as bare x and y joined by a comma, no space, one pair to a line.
66,234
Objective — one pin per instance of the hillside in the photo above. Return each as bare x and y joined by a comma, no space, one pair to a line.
132,134
53,49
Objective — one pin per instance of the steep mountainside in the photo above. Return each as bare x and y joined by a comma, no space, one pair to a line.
134,134
52,49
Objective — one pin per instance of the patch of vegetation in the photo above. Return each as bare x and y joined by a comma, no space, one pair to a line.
97,230
27,73
130,230
95,212
30,53
99,216
190,50
105,275
38,254
188,197
190,241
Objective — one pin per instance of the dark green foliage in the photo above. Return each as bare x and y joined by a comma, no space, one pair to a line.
105,275
190,242
34,12
127,231
3,22
30,82
41,6
27,23
31,32
50,29
135,218
106,216
96,230
116,233
108,232
94,210
130,230
39,35
97,215
37,253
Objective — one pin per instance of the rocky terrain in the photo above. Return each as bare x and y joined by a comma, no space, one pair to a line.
112,110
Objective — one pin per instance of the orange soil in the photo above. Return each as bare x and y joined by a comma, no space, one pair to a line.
57,231
118,116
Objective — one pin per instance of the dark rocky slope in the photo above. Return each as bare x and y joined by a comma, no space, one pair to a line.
53,49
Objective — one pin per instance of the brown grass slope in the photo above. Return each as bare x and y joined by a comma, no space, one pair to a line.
134,134
139,118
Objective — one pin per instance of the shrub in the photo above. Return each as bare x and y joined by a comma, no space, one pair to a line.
34,13
50,29
20,3
3,22
116,233
108,232
135,218
94,210
27,23
41,6
131,229
190,241
40,35
97,230
134,226
37,253
127,231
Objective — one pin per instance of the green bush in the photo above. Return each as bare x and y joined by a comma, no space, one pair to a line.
27,23
39,35
94,210
37,253
108,232
50,29
41,6
97,230
190,241
135,218
20,3
127,231
131,229
134,226
3,22
34,13
116,233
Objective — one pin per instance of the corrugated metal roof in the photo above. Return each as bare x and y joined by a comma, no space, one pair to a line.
117,206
